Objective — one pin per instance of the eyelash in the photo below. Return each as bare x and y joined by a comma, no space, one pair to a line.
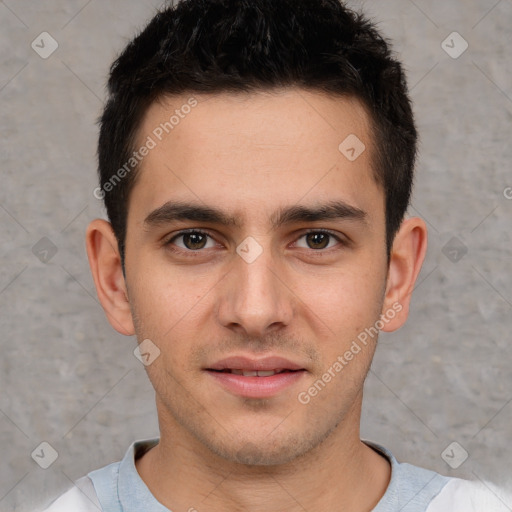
169,243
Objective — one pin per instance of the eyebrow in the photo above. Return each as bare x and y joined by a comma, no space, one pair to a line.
173,211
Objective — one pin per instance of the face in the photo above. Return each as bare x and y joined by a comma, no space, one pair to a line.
251,235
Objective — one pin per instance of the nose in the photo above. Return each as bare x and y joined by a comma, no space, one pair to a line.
255,298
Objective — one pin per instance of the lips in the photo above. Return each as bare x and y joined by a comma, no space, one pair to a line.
256,378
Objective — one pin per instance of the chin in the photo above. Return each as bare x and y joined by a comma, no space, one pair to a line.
266,451
251,454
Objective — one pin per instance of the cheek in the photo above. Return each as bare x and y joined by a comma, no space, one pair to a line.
345,300
164,313
165,301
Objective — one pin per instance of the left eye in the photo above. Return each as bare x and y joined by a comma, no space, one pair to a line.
318,240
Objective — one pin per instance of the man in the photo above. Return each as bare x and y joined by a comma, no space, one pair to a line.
256,162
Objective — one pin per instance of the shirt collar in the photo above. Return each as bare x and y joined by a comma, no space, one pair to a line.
133,491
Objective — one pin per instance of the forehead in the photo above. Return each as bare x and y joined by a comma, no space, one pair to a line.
258,149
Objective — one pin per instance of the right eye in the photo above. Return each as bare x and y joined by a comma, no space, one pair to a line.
192,240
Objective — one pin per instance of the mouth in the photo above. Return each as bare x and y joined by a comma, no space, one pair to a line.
254,373
256,378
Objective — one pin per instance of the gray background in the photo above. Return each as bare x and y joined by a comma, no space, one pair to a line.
68,379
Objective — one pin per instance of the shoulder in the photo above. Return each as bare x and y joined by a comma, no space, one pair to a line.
100,489
469,496
415,489
80,498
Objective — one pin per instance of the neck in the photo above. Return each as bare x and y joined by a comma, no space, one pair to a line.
342,473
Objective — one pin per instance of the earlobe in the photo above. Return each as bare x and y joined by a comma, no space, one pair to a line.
107,272
406,259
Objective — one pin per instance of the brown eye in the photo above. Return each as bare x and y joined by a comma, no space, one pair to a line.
192,241
317,240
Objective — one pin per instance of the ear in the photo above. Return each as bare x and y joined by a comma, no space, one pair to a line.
105,263
406,259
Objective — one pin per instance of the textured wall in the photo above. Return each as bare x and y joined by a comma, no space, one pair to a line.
68,379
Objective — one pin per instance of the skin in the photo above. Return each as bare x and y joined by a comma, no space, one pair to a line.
303,298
